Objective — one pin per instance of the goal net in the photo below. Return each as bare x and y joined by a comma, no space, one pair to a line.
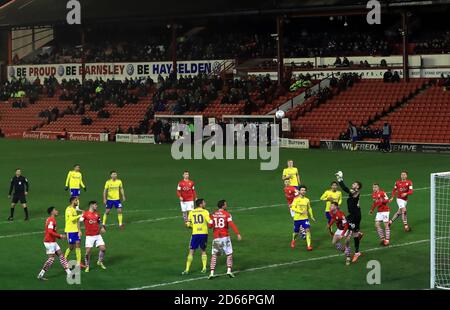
440,230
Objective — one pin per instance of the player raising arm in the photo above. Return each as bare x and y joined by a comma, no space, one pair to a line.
380,201
291,173
303,213
354,211
198,220
403,188
91,220
342,232
51,246
74,181
220,221
112,198
187,195
331,195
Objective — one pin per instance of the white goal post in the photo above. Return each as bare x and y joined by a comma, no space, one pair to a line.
440,231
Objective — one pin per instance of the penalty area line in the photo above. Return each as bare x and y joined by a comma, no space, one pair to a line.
277,265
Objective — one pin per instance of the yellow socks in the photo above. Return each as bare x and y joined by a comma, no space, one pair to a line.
189,262
78,255
308,238
67,253
294,236
105,216
119,218
204,261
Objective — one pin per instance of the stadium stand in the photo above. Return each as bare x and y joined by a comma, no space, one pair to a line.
18,120
422,119
360,103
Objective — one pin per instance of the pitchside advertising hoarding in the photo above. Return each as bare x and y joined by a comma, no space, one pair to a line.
59,135
395,147
117,71
127,138
294,143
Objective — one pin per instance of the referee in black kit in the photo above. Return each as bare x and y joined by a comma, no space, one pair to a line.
20,186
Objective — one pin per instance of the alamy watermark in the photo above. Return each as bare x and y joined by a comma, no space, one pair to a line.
374,275
374,15
232,142
73,17
75,275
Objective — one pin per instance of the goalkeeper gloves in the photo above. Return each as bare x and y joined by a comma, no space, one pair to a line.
339,176
66,188
85,189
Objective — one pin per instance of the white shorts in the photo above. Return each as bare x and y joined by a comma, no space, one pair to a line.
51,247
382,217
401,203
338,232
222,246
96,241
186,206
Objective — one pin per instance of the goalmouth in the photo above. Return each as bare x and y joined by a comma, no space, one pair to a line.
440,231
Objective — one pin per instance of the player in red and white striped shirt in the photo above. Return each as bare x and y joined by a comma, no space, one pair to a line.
220,222
380,201
187,195
403,188
51,246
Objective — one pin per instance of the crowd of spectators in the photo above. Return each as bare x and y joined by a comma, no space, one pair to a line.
326,44
22,92
211,45
437,42
187,93
363,132
389,77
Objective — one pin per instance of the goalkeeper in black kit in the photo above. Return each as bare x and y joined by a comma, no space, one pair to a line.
354,211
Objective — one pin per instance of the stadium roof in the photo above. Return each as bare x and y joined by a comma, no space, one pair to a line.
17,13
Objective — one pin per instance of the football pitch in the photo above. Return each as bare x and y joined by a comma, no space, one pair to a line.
151,252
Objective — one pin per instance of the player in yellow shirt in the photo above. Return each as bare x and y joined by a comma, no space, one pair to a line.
74,181
72,230
291,173
303,213
112,198
198,220
331,195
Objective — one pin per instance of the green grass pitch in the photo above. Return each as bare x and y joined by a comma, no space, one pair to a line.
151,251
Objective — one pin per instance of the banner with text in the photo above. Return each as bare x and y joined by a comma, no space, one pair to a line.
117,71
128,138
59,135
294,143
395,147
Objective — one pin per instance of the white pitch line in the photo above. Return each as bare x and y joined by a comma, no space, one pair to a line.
26,4
150,220
277,265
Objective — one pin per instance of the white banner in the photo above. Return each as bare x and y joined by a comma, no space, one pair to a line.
117,71
365,73
127,138
294,143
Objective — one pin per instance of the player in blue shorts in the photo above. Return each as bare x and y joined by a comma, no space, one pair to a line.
74,181
198,221
111,197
